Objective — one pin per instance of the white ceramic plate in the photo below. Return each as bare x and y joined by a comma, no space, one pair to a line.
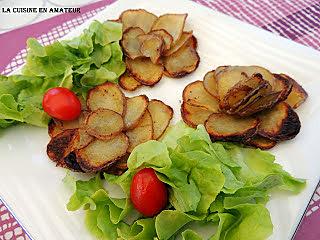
31,185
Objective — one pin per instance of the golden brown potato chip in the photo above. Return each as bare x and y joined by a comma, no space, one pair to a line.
261,142
167,38
283,85
104,124
183,61
243,91
194,115
161,115
99,154
70,162
235,96
106,96
229,76
54,128
259,95
259,104
210,83
130,42
143,132
144,71
82,139
61,145
128,82
226,79
83,118
226,127
151,46
251,70
137,18
119,166
195,94
297,95
185,36
279,123
172,23
136,107
83,102
220,69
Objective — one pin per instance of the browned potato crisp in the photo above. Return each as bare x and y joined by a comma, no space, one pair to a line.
104,135
156,46
246,104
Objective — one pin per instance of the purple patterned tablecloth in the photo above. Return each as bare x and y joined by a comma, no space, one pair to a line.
298,20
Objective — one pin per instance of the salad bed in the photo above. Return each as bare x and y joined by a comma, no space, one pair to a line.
79,64
218,184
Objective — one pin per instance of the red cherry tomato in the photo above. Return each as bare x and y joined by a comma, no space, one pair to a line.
61,103
148,194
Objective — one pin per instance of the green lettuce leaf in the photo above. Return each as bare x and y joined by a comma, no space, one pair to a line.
139,230
14,84
101,55
9,108
35,48
255,223
116,63
257,165
82,45
168,222
105,33
190,235
82,195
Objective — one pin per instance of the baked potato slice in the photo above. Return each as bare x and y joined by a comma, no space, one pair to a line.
224,127
143,132
161,115
283,85
137,18
185,36
54,128
259,104
106,96
172,23
297,95
229,76
261,142
130,42
70,162
82,139
243,92
279,123
128,82
210,83
195,94
145,71
194,115
136,107
118,167
61,145
104,124
151,46
167,38
183,61
100,154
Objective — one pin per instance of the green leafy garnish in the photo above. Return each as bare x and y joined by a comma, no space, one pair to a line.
79,64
